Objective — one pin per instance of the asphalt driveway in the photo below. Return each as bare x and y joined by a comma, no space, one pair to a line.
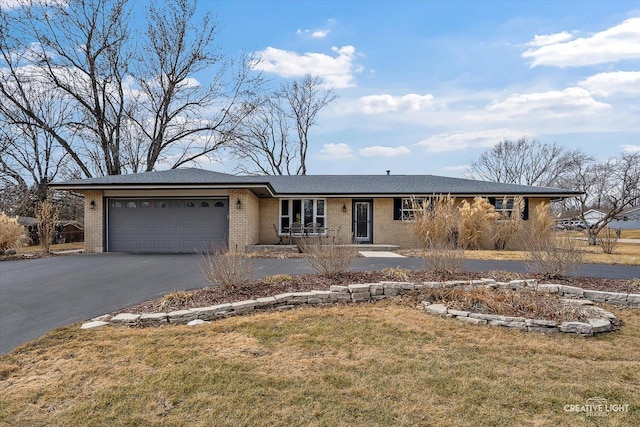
39,295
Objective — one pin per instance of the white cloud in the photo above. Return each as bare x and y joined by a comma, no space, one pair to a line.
412,102
630,148
548,39
379,151
336,71
611,45
626,83
316,34
14,4
460,141
339,151
552,104
320,34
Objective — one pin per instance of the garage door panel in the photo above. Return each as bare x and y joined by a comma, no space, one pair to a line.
165,225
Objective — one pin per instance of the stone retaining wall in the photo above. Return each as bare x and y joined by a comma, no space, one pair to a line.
599,320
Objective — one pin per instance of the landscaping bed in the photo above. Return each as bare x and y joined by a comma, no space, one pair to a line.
274,285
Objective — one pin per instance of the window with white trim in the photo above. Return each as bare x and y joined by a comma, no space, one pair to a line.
410,205
304,212
505,206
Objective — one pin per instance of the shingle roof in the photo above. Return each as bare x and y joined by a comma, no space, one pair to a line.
173,176
329,185
398,184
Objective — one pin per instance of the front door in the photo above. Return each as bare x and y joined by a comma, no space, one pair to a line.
363,221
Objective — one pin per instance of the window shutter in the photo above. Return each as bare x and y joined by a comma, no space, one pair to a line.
525,211
397,209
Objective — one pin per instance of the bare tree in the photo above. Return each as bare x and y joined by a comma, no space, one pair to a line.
174,104
610,187
76,50
133,97
264,146
526,161
276,138
30,157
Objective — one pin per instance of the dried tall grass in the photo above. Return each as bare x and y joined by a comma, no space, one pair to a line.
438,222
438,226
47,215
12,234
506,226
476,219
523,303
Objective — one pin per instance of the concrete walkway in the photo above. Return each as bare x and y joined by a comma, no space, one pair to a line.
380,254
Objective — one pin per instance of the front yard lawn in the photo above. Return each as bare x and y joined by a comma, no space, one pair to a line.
380,364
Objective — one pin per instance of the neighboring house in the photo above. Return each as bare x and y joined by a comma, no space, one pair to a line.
66,231
629,219
183,210
592,216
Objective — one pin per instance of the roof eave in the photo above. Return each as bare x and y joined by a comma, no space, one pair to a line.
149,186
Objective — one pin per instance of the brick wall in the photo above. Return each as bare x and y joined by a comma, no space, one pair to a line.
244,223
94,221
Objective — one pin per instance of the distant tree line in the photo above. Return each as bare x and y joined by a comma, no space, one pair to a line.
610,186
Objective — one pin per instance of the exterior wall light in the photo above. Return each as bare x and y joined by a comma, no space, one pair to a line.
238,204
92,204
344,208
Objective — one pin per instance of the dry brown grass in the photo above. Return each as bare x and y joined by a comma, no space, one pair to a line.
477,218
630,234
524,303
47,215
382,365
625,254
12,234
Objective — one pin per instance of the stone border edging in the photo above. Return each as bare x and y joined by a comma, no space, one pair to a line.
369,292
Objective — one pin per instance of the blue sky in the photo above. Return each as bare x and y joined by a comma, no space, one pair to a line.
424,87
427,86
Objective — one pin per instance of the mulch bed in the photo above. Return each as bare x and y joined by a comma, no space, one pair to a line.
263,288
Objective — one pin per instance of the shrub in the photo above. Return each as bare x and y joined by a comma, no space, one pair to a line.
12,234
608,240
326,257
553,257
476,219
550,254
444,260
226,268
47,215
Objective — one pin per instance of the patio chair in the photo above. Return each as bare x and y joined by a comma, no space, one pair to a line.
296,229
336,234
313,228
275,228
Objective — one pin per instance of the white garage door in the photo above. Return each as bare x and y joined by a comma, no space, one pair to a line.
166,225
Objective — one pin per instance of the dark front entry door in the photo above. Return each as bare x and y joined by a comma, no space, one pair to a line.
363,221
